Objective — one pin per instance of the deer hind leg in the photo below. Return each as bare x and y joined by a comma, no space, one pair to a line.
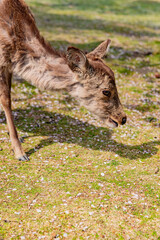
5,99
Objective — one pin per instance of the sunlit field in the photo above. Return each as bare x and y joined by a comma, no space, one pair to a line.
83,180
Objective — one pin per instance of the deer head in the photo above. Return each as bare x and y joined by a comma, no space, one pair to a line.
96,87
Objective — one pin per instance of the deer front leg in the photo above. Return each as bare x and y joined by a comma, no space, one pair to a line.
6,104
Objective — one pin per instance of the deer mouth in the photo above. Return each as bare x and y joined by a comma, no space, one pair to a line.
113,123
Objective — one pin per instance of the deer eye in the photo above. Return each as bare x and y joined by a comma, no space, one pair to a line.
106,93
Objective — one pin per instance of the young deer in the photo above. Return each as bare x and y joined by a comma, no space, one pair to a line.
24,52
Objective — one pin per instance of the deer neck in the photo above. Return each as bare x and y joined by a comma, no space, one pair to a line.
43,67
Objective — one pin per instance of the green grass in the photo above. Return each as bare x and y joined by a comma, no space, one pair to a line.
83,180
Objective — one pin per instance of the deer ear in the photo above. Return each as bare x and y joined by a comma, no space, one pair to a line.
101,50
76,59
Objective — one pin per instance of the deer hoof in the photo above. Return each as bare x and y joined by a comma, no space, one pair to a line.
23,158
21,139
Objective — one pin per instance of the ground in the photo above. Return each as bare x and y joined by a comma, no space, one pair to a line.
83,180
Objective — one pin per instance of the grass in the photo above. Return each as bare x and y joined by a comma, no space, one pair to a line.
85,181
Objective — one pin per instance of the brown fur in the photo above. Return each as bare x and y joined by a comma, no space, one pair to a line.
23,51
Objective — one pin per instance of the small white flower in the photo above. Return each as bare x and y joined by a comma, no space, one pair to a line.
65,235
135,195
22,238
92,206
85,228
79,194
100,184
17,213
91,213
38,210
67,212
102,174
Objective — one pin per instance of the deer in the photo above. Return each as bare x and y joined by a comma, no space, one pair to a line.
24,52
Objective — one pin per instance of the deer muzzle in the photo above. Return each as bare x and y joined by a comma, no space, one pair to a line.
113,122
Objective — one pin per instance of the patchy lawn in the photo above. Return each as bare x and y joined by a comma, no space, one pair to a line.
85,181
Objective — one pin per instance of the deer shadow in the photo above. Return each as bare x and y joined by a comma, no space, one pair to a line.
65,129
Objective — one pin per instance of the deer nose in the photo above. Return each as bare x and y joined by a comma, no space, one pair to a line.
124,120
